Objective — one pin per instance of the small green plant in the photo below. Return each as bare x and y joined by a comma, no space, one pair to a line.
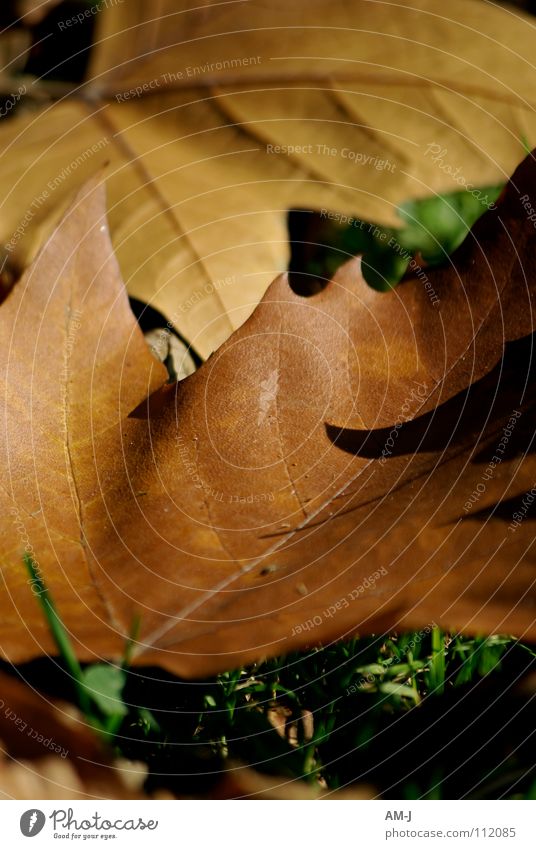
98,687
432,229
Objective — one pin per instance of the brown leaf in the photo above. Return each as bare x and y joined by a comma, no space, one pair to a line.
247,112
48,752
74,365
313,479
240,782
33,11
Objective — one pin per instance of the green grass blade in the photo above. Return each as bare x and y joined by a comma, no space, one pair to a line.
61,638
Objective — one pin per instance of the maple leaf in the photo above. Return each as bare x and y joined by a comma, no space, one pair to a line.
379,105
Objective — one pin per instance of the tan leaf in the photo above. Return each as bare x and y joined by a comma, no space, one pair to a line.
248,111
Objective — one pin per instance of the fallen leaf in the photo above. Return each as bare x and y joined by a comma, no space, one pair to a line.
247,111
314,478
74,365
48,752
241,782
33,11
171,351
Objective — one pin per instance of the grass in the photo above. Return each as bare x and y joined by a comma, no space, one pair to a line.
416,715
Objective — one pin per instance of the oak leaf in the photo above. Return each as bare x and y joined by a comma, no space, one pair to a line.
387,484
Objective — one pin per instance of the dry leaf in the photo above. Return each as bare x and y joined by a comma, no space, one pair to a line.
47,751
171,351
257,108
241,782
72,353
314,478
33,11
